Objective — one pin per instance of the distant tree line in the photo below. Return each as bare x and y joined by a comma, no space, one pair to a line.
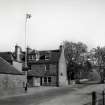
78,60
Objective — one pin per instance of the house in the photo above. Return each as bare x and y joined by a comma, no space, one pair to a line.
17,58
47,68
11,80
14,58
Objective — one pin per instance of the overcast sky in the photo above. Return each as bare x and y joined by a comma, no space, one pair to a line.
52,22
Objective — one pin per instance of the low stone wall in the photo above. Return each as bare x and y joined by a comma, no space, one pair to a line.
11,84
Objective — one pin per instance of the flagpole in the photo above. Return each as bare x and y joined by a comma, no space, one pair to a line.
28,16
26,41
26,54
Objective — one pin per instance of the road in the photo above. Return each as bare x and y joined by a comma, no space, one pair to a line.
39,98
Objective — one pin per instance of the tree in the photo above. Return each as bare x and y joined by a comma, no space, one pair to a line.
100,58
87,66
73,50
72,53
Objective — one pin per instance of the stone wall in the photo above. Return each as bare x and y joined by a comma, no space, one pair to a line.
51,71
53,68
17,65
62,69
11,84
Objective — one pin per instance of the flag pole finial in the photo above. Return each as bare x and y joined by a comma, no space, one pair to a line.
28,16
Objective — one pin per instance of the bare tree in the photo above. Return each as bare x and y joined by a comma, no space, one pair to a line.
72,53
100,58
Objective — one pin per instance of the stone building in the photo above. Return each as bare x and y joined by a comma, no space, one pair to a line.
7,56
11,80
47,68
13,58
17,58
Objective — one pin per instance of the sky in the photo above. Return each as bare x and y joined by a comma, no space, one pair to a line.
52,22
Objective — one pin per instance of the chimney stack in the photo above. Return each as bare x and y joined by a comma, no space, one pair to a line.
18,53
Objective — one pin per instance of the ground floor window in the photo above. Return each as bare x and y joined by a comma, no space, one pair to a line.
47,80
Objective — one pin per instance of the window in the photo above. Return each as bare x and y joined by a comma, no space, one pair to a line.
31,57
45,79
46,57
46,67
49,79
42,57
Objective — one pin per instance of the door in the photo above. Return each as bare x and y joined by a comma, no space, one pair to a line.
36,81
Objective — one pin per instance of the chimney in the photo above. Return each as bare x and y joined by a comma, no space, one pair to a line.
17,53
60,48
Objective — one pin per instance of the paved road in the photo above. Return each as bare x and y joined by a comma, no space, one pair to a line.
77,97
37,98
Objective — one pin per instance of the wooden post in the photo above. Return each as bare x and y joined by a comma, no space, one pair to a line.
103,96
93,98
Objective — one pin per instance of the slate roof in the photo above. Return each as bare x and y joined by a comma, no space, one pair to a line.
6,68
54,56
31,52
41,73
7,56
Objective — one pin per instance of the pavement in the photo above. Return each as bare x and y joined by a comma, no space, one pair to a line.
68,95
30,91
81,96
38,89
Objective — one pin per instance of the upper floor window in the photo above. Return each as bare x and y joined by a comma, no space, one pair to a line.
46,67
45,79
46,57
31,57
49,79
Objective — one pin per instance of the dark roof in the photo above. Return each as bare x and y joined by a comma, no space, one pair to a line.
6,68
32,52
53,57
7,56
35,73
40,73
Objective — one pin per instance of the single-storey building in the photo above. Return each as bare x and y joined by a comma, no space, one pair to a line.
8,56
13,58
11,80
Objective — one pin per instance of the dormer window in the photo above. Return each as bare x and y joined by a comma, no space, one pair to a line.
31,57
42,57
46,57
